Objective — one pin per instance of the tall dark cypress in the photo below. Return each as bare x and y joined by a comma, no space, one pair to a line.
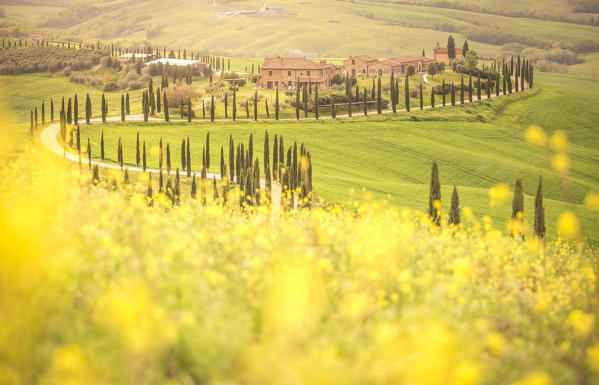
234,104
349,100
277,105
76,110
212,108
454,211
89,154
183,159
226,102
539,211
462,91
166,112
128,106
275,157
392,90
144,164
189,112
517,225
443,92
297,101
434,197
103,109
160,155
122,108
208,151
478,94
379,99
188,158
102,146
365,102
452,94
70,113
421,98
316,111
52,110
137,152
281,156
168,158
433,97
305,100
407,94
470,88
266,151
43,113
231,159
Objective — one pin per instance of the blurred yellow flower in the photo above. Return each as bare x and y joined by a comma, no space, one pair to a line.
534,378
536,136
496,343
560,163
581,322
499,194
593,357
568,225
559,141
592,200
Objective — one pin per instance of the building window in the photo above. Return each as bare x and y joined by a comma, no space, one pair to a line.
289,83
308,73
276,84
269,73
380,72
353,62
288,73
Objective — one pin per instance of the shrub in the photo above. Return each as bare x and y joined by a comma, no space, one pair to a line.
111,87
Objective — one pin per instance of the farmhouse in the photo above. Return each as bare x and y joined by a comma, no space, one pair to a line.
179,63
399,65
287,72
441,55
361,66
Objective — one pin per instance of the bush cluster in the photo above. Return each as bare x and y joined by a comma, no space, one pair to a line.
23,60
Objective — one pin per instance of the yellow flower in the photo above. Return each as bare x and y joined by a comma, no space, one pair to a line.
496,343
581,322
536,136
560,163
499,194
593,357
568,224
559,141
534,378
592,200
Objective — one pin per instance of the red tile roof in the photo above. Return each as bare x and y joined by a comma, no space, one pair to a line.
364,57
292,63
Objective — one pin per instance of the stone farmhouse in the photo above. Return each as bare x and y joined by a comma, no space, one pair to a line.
361,66
399,65
442,56
287,72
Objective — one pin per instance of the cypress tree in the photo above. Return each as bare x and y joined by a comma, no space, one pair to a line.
103,109
275,157
35,114
478,88
516,81
277,105
454,212
51,110
79,143
281,155
223,166
43,113
120,153
122,108
305,100
266,151
488,88
470,88
76,110
166,113
158,100
231,158
203,186
177,187
462,91
234,104
70,113
188,158
183,159
421,98
443,92
452,94
256,106
365,104
297,101
349,100
316,112
144,156
128,106
517,225
497,84
333,109
160,182
88,107
32,125
89,154
168,158
160,155
433,97
373,90
102,146
189,110
379,101
539,211
392,87
504,86
193,187
212,109
407,94
434,198
226,106
182,108
137,152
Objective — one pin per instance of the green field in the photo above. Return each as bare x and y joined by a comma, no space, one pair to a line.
476,146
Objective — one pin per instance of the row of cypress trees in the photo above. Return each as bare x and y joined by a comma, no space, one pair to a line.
517,218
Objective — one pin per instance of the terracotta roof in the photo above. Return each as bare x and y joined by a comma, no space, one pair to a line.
364,57
292,63
458,51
